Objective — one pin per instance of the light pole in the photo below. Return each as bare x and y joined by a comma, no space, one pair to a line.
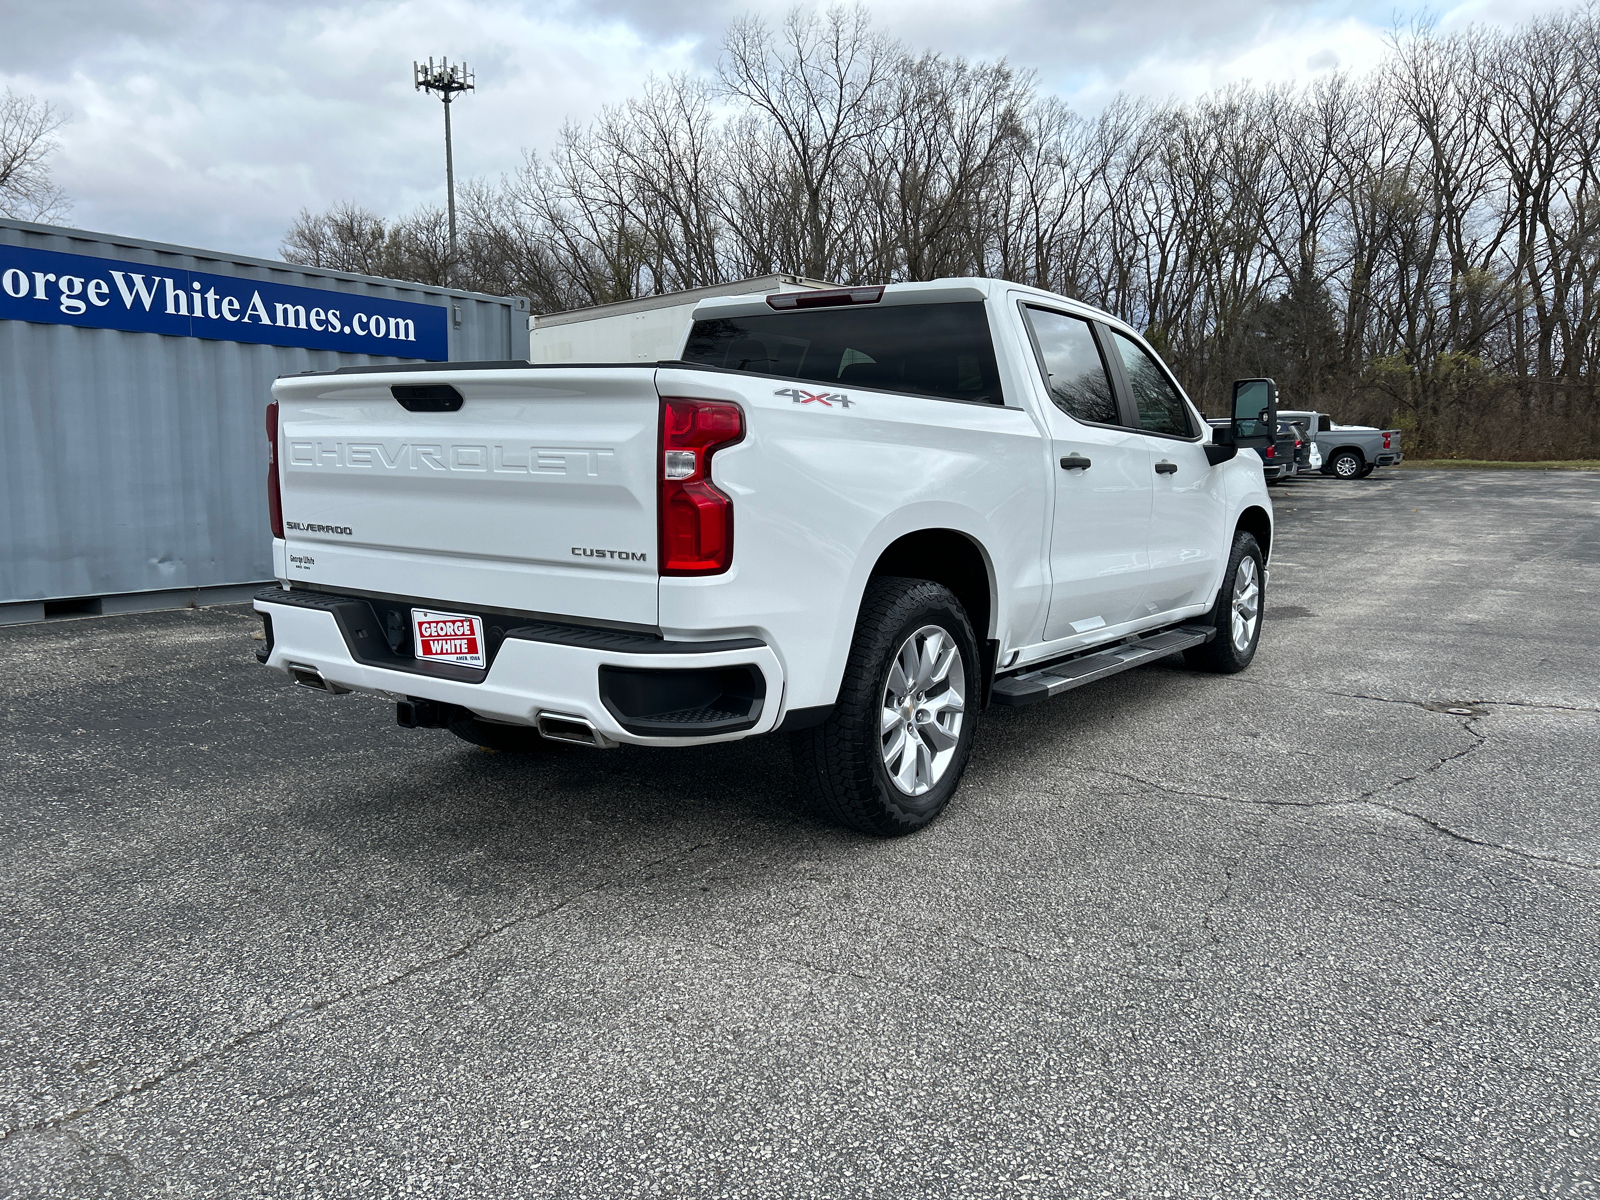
446,81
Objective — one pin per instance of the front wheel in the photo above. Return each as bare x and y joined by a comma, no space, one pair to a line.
893,751
1236,616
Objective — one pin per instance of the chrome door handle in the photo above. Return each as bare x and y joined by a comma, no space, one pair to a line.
1166,468
1075,462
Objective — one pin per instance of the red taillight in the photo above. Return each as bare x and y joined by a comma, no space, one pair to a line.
274,492
696,520
1272,451
1386,436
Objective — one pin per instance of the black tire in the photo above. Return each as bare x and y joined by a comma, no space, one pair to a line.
1221,654
508,739
1346,464
1367,470
840,763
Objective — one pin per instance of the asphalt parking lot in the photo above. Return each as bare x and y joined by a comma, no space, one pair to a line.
1299,932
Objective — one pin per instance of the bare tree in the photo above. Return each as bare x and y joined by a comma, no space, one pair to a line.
345,238
820,84
27,139
1419,245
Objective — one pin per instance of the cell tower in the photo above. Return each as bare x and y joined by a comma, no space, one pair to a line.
446,81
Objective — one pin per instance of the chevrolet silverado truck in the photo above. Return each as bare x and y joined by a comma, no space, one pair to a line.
857,517
1348,451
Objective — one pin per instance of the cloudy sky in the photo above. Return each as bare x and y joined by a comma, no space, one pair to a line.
213,122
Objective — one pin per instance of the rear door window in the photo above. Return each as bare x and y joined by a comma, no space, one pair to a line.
939,350
1160,404
1074,369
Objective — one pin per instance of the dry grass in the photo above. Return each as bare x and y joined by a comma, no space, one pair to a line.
1484,464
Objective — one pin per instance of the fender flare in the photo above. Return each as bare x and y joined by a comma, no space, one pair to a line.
914,518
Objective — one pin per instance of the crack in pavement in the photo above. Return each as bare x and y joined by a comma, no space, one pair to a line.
1207,922
1017,950
1422,704
1450,1164
1371,799
327,1002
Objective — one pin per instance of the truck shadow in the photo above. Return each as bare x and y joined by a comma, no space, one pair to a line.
459,796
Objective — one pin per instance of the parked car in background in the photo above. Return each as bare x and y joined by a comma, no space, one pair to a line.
1277,460
1348,451
1305,446
1283,454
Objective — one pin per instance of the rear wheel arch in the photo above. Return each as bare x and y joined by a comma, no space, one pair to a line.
1255,521
951,558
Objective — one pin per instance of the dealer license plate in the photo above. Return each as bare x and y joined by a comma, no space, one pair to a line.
447,637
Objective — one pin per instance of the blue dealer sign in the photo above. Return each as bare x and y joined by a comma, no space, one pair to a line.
76,289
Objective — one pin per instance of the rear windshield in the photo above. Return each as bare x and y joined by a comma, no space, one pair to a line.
941,350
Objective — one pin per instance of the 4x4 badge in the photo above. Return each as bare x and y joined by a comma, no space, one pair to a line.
826,399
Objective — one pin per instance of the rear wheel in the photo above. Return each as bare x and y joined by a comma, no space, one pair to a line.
893,751
1236,616
1346,464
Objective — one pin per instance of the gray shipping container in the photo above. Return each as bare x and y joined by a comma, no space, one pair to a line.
133,460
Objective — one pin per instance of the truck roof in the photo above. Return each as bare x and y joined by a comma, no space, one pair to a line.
756,285
935,291
952,290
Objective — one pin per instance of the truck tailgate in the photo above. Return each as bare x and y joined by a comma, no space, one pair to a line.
537,495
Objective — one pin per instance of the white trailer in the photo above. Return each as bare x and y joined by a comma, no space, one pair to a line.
650,329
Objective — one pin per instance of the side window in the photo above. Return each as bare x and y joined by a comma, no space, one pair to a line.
1074,371
1161,407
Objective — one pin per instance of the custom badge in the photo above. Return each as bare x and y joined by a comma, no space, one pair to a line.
826,399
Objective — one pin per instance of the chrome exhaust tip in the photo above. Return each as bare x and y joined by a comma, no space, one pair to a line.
312,678
562,727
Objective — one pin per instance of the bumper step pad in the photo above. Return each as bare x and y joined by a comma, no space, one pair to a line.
1041,683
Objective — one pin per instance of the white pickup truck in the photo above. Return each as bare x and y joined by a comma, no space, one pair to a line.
857,516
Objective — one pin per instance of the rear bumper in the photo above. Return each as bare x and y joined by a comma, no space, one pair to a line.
536,670
1389,460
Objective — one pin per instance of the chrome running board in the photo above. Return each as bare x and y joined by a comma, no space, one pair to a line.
1041,683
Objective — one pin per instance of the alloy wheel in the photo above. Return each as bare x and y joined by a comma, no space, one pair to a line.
924,703
1246,603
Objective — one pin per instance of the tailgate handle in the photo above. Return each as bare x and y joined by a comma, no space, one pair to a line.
427,397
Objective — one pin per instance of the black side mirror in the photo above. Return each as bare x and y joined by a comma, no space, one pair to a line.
1255,413
1222,445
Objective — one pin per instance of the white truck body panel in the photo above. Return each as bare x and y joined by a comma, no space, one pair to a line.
508,505
492,507
819,493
